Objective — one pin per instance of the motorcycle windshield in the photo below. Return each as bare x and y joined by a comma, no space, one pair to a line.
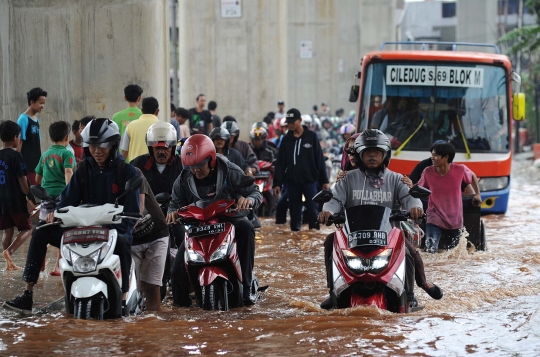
204,202
368,218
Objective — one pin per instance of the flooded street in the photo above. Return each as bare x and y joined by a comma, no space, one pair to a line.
490,305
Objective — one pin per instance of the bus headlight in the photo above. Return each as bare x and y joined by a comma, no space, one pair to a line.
492,183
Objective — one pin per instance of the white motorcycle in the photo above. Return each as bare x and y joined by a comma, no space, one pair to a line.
91,273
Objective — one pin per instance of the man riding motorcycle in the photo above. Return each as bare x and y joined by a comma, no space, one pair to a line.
161,166
374,184
259,144
96,184
207,175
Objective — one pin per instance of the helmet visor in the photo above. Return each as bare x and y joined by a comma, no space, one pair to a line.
108,145
198,166
163,144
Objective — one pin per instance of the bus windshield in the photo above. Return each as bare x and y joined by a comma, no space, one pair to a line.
417,103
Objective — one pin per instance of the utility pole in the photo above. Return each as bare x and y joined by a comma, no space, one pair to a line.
518,70
173,6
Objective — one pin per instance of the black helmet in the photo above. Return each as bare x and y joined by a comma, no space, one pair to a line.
220,133
372,138
233,128
101,131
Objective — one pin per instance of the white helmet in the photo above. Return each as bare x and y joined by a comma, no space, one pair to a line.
161,134
306,119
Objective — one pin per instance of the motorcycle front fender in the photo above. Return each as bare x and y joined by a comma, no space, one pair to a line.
87,287
208,274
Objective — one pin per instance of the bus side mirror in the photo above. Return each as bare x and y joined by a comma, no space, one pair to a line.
353,95
518,106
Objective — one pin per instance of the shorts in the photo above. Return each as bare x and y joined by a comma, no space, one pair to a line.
150,260
20,220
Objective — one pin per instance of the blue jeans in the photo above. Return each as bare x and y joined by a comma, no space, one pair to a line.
434,234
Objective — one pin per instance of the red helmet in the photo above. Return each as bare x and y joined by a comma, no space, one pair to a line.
197,151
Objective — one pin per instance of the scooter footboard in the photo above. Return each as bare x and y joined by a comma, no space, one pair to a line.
86,287
208,274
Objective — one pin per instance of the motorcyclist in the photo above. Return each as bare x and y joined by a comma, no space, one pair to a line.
258,141
207,175
161,166
241,146
101,138
374,184
221,138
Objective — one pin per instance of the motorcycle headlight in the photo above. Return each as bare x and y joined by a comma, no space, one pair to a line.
66,253
85,264
103,251
373,265
221,252
492,183
193,256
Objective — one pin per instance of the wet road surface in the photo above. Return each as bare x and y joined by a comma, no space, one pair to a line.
490,305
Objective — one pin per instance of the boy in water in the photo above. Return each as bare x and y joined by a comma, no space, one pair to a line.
15,192
445,206
55,168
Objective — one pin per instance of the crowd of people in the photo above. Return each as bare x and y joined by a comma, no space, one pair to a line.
195,155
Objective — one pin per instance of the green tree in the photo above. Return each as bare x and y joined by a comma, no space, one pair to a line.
527,41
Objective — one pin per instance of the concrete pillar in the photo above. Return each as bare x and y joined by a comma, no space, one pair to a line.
477,21
235,61
247,64
83,53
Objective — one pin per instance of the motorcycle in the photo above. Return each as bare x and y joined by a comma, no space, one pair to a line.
369,262
264,180
91,273
211,256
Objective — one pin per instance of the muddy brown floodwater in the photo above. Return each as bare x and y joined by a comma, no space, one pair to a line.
490,305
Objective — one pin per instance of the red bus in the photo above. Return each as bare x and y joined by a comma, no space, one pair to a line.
463,97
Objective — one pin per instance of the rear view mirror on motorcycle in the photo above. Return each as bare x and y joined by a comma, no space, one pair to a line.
40,193
419,192
132,184
323,196
163,197
246,181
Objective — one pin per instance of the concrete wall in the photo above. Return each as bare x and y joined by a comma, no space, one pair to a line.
247,64
83,53
477,21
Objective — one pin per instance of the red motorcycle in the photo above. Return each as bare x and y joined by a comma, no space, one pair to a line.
211,255
369,262
264,180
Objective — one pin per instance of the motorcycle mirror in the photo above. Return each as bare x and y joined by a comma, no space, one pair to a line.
134,183
246,181
419,192
40,193
163,197
323,196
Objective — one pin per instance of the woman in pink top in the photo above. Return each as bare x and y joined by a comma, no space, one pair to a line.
445,207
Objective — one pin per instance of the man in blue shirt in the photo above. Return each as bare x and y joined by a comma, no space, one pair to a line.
30,143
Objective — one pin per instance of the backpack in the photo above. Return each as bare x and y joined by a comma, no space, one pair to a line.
120,176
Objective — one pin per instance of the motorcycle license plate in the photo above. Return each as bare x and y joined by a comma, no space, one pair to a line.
263,174
206,230
363,238
86,235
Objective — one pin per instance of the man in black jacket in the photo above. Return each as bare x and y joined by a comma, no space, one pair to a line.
210,175
300,165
